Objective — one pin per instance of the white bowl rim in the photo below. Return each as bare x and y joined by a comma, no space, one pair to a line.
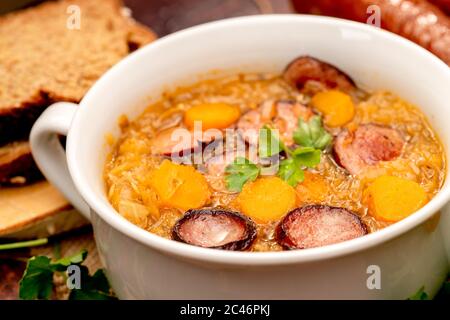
111,217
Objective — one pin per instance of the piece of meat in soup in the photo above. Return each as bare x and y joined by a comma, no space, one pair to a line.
368,145
318,225
281,115
178,141
215,228
305,68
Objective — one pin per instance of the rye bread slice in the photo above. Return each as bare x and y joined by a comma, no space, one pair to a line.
17,166
43,61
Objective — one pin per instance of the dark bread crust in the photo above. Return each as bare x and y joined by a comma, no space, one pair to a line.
17,166
16,123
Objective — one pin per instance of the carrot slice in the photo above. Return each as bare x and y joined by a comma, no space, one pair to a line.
267,199
336,106
392,198
180,186
212,115
314,188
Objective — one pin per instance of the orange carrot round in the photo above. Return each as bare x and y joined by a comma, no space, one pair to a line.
212,115
336,107
180,186
267,199
314,188
392,198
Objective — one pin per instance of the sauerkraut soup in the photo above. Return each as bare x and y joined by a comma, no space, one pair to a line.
267,162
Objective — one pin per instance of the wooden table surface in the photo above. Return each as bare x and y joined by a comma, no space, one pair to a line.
164,17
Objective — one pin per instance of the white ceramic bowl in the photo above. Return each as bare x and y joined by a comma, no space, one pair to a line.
392,263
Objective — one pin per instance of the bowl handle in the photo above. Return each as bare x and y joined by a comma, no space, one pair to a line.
49,154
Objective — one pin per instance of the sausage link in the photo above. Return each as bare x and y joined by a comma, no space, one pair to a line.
417,20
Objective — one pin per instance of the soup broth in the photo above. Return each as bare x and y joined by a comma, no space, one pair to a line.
338,180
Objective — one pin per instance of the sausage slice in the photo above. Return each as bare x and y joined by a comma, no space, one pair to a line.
318,225
282,114
178,141
306,68
368,145
215,228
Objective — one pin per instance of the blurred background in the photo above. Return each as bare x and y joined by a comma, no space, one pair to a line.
425,22
167,16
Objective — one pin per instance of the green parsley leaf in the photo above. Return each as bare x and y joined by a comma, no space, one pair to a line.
291,172
307,156
323,141
444,292
269,143
239,172
420,295
315,128
37,280
302,136
302,150
62,264
312,134
95,287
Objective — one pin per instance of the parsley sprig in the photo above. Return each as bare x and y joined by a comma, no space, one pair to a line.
239,172
312,139
419,295
312,134
37,280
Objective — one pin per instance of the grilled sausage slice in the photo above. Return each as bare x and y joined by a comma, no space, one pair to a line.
215,228
368,145
318,225
282,114
306,68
